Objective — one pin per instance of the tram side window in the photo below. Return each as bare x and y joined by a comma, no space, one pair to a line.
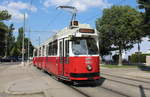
52,48
35,53
55,48
47,48
40,52
66,48
60,49
43,50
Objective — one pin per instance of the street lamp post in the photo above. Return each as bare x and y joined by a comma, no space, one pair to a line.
6,44
29,48
23,50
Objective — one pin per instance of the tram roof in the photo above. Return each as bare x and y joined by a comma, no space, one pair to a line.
65,32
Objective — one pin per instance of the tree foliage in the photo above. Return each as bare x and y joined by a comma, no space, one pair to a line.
4,31
17,48
8,45
4,15
119,28
145,4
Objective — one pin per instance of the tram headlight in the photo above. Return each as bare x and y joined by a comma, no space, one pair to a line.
89,67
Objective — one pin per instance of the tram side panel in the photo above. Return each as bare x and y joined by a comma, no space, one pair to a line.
44,63
39,62
51,65
34,60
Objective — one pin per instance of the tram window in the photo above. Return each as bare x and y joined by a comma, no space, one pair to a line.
66,48
43,50
55,48
52,48
83,46
92,47
35,53
60,49
47,50
79,47
40,52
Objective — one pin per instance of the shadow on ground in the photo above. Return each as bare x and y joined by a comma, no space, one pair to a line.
94,83
142,91
144,68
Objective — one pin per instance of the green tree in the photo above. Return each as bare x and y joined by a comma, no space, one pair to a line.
145,4
119,27
4,29
105,49
31,47
20,38
10,39
17,49
4,15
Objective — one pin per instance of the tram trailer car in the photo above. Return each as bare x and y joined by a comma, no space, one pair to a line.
71,54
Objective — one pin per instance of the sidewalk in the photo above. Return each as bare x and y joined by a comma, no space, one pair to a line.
28,80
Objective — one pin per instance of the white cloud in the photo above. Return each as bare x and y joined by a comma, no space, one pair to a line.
81,5
48,3
20,5
16,8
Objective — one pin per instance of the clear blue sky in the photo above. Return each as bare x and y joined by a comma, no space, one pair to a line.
42,15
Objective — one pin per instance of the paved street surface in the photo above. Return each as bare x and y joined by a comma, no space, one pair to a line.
17,80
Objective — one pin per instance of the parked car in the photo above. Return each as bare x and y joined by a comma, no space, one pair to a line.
9,59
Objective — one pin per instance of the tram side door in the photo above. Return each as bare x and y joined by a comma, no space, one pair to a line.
63,56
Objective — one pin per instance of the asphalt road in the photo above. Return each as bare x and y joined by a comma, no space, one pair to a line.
114,83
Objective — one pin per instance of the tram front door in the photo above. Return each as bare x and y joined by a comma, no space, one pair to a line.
63,57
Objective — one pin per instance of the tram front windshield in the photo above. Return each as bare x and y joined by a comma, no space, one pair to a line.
84,46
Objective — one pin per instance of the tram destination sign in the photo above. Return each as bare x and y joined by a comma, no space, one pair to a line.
86,30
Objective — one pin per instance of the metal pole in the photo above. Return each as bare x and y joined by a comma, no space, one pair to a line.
139,61
29,47
39,40
23,51
6,43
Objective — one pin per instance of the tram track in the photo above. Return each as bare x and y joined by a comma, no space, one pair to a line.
127,81
114,91
126,87
87,92
132,79
97,90
79,91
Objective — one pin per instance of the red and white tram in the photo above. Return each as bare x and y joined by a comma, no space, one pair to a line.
71,54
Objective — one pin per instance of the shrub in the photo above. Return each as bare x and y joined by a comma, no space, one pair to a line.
138,58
